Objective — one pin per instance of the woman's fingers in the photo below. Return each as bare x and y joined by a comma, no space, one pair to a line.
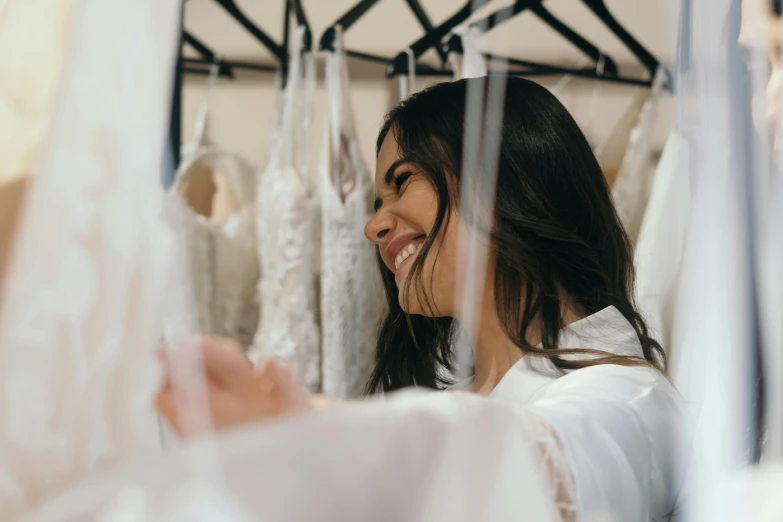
287,389
236,393
165,405
223,358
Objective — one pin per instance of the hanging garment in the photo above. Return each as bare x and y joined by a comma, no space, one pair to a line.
217,192
83,303
658,254
770,276
612,150
352,298
599,443
631,188
214,192
287,236
714,331
473,63
31,63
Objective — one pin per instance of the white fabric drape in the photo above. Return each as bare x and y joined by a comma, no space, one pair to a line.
713,328
34,39
419,457
594,444
473,63
82,309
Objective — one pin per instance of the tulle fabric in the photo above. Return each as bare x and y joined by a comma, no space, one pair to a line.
86,283
31,65
417,457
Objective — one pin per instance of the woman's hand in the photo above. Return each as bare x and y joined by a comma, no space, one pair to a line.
237,393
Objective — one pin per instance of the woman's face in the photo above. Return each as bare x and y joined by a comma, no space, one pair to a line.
406,209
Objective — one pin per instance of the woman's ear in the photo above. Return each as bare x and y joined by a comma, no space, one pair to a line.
12,195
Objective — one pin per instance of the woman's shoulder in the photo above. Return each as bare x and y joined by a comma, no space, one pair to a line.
634,386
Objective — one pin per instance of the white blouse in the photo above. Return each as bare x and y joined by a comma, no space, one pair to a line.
596,444
619,426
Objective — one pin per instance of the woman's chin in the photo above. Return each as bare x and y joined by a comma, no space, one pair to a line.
412,306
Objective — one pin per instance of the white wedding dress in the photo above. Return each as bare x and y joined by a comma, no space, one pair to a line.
214,195
83,302
215,192
287,214
631,188
352,298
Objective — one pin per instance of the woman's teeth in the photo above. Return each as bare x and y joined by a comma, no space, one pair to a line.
405,254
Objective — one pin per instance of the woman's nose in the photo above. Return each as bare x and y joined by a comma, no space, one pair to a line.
380,227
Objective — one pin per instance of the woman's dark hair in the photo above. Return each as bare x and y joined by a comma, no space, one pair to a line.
556,235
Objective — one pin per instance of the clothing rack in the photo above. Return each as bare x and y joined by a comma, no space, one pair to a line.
433,39
227,68
346,21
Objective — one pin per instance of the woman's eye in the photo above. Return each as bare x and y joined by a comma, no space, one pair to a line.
400,180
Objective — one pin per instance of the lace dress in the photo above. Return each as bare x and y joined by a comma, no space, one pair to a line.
287,238
632,187
82,308
216,193
352,299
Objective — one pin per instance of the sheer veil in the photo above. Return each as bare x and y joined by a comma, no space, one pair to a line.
86,281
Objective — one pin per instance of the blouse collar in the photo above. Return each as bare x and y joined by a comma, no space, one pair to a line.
606,330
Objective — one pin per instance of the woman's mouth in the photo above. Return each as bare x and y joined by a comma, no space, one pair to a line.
408,251
406,255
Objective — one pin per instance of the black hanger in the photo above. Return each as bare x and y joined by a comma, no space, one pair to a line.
301,21
598,7
326,42
424,21
491,21
609,65
207,57
227,67
433,38
399,64
231,7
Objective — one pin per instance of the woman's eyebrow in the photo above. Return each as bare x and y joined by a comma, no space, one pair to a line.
389,176
387,179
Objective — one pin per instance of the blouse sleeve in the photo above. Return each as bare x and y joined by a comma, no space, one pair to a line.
620,430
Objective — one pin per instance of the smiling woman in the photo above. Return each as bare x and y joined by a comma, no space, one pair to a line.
559,252
559,347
